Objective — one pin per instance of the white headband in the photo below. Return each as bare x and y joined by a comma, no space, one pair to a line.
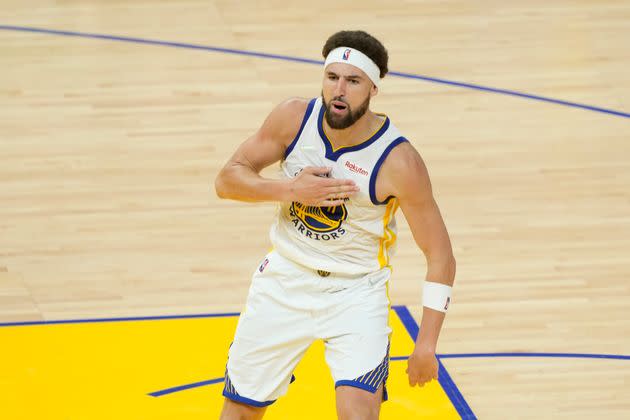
356,58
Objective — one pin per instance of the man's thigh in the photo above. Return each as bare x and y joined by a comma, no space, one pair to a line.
357,345
358,404
236,411
272,335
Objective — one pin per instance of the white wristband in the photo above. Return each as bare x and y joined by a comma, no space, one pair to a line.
436,296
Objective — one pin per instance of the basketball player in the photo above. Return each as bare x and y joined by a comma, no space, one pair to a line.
345,170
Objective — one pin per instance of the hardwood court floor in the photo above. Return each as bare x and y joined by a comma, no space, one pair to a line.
108,149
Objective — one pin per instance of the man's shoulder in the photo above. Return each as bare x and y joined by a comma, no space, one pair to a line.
402,148
285,119
403,161
294,106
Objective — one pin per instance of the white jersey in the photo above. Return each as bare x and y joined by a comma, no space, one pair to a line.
354,238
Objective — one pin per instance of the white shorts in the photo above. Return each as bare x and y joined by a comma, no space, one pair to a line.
288,307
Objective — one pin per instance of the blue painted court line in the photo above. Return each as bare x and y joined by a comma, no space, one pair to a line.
218,380
402,312
557,355
185,387
141,318
161,43
444,378
512,93
310,61
394,358
524,354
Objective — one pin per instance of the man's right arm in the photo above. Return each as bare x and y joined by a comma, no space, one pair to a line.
240,178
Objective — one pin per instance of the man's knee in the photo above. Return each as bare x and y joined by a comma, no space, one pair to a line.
233,410
357,404
357,412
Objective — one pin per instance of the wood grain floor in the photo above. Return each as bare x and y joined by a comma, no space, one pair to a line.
108,150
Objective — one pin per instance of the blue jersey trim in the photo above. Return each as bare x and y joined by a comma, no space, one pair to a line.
307,114
334,155
377,167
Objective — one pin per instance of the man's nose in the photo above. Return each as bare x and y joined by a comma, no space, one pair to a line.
340,88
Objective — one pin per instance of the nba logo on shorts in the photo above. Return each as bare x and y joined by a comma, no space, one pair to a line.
346,54
448,301
263,265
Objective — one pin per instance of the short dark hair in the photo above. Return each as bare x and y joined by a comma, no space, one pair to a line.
362,41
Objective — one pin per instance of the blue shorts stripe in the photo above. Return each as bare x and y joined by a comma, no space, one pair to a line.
371,380
229,387
356,384
248,401
230,392
373,376
380,374
364,387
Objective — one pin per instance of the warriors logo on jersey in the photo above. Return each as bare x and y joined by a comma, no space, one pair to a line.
318,223
320,219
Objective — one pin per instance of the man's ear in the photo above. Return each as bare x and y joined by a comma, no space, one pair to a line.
374,90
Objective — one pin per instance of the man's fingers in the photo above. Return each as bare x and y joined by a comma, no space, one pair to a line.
341,191
317,170
421,381
332,202
323,170
342,188
339,196
333,182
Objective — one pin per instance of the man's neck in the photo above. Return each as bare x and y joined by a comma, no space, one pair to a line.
357,133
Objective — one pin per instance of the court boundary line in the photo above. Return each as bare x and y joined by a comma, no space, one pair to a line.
184,387
179,388
403,314
257,54
395,358
445,380
534,354
122,319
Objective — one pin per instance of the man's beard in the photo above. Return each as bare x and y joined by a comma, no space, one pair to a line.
338,122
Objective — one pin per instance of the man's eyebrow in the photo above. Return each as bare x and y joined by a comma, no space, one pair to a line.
350,77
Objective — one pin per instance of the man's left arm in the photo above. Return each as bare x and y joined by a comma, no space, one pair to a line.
404,175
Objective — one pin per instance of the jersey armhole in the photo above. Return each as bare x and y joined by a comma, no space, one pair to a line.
307,114
377,167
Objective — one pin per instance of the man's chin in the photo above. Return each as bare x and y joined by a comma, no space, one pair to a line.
338,122
339,125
